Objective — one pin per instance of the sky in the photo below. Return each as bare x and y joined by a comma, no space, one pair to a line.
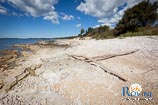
58,18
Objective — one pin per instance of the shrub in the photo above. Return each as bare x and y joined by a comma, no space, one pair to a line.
141,15
142,32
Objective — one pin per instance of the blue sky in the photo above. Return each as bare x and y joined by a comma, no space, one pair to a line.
58,18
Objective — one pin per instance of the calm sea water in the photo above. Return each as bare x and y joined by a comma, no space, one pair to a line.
7,43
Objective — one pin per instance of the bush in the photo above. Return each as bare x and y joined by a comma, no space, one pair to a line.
105,35
143,31
140,15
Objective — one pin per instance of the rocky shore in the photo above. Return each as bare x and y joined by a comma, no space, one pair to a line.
80,72
7,59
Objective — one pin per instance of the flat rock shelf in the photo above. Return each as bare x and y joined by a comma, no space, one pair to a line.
82,72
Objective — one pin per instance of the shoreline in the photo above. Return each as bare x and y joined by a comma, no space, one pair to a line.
20,51
72,71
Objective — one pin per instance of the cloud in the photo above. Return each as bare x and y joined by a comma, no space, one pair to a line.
96,26
53,17
112,21
107,11
3,10
2,1
36,8
78,25
99,8
67,17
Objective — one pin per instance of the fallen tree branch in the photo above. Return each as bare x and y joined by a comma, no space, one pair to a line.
104,57
94,63
28,71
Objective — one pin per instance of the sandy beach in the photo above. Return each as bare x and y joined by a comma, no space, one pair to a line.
82,72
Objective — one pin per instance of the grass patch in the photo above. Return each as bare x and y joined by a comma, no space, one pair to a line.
104,35
144,31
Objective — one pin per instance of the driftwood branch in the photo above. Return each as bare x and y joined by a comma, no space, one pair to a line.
104,57
94,63
28,71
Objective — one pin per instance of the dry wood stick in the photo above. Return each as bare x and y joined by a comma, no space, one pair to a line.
104,57
93,62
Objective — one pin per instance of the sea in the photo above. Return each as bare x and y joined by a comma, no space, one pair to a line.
8,43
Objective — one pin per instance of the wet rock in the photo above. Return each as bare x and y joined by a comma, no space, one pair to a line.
7,59
25,53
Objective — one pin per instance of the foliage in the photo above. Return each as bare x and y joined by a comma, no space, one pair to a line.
140,15
143,31
137,21
82,31
90,30
104,35
98,30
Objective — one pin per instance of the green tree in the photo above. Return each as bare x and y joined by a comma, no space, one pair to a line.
141,15
90,30
82,31
102,29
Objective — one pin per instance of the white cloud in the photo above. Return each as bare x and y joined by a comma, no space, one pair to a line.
3,10
67,17
107,11
99,8
53,17
78,25
96,26
37,8
112,20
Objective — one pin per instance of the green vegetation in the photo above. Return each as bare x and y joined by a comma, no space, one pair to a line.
82,32
136,21
140,15
142,32
99,33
